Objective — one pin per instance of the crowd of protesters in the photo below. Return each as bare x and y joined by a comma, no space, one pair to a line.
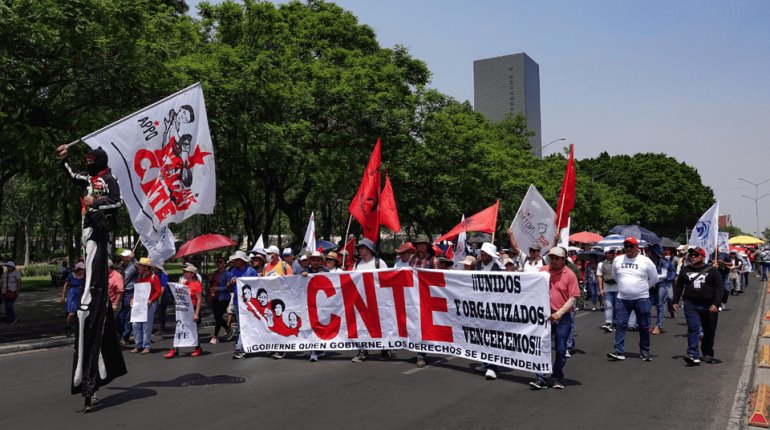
626,284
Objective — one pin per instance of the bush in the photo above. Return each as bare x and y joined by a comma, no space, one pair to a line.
39,270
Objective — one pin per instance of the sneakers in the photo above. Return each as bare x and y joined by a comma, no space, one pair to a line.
230,334
568,354
421,362
557,384
692,361
710,360
361,356
238,355
616,356
214,340
313,356
14,322
387,355
197,352
490,374
170,354
656,330
279,355
645,356
539,384
607,327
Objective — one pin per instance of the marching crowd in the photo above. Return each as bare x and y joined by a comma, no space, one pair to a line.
626,283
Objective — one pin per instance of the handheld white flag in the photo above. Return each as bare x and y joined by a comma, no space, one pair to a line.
164,160
310,234
724,244
534,222
705,232
459,256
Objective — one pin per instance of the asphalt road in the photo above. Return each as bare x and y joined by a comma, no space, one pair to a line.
214,391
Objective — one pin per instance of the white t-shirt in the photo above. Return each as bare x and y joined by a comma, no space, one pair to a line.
399,263
634,276
611,288
533,266
370,265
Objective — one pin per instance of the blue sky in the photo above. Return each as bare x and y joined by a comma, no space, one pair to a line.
687,78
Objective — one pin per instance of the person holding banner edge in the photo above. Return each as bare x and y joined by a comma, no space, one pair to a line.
190,279
563,292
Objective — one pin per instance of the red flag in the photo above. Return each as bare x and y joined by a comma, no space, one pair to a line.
365,205
437,251
388,212
567,194
485,221
450,253
350,247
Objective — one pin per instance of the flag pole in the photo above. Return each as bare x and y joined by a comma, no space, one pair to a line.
345,240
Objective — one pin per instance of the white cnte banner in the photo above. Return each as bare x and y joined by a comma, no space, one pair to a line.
141,296
186,331
493,317
164,160
534,222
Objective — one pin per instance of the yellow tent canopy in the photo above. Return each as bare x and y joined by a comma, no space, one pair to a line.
745,240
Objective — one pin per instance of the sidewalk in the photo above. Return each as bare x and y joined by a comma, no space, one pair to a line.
41,322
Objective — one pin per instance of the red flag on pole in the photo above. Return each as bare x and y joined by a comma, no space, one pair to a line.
365,205
567,194
485,221
388,211
350,247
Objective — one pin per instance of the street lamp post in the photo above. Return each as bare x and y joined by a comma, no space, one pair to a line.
756,199
553,141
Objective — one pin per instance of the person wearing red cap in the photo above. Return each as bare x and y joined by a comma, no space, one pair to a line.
701,287
404,252
635,274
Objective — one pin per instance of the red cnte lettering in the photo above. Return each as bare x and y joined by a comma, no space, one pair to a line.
369,312
398,281
430,304
324,331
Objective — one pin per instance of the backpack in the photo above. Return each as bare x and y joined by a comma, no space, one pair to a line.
607,271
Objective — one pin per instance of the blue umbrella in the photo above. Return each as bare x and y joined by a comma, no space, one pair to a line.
616,241
640,233
325,245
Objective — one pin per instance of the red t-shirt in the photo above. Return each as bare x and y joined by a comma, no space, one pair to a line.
563,285
195,288
155,288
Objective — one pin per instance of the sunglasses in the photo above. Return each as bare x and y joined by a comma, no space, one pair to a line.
694,254
629,246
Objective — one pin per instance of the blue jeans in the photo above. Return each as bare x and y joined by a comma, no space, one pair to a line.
143,330
610,297
571,338
593,288
561,330
699,319
765,268
10,313
123,318
665,292
622,313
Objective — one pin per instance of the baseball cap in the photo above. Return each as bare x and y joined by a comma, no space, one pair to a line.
632,240
697,250
558,251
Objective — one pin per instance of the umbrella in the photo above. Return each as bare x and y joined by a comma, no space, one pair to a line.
745,240
669,243
585,237
479,238
616,240
204,243
637,232
573,248
325,245
586,255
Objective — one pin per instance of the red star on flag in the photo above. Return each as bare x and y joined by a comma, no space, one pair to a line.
197,157
156,123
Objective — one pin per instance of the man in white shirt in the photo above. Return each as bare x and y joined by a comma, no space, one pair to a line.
608,288
634,274
369,261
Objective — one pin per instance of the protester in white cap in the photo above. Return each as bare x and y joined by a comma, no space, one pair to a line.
469,263
369,261
563,292
70,295
275,266
239,268
288,257
488,262
143,330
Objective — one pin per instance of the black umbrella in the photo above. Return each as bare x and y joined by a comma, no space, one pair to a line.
669,243
479,238
586,255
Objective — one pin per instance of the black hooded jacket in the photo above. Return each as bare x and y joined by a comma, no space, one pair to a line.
100,184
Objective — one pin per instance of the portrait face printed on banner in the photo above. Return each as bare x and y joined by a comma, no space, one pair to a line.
246,294
293,320
262,297
278,307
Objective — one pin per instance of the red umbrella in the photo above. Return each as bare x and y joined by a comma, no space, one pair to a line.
585,237
204,243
